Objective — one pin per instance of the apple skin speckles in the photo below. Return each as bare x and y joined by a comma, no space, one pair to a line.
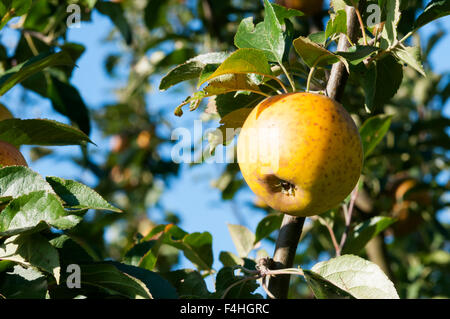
312,145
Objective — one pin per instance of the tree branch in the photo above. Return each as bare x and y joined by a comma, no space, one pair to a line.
291,229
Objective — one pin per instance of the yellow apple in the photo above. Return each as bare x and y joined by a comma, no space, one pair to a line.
10,155
300,152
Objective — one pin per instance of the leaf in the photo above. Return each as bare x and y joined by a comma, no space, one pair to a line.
111,280
434,10
32,250
230,124
191,69
12,8
28,211
228,259
243,239
314,54
337,24
283,13
152,12
372,132
268,225
266,36
318,37
23,283
357,276
115,12
78,196
67,100
40,132
242,61
70,251
393,14
364,232
410,56
358,53
145,253
158,286
197,247
231,83
16,181
226,277
189,284
36,64
324,289
389,78
227,103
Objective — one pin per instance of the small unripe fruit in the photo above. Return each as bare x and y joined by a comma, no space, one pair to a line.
301,153
10,155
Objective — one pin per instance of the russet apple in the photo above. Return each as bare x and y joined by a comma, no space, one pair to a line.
300,152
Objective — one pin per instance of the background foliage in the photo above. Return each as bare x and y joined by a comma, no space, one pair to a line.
395,221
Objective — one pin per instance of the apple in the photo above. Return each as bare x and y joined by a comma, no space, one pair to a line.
300,152
10,155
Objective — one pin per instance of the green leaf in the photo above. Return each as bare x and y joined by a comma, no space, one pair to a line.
36,64
32,250
266,36
372,132
67,100
357,276
16,181
228,128
410,56
189,284
314,54
434,10
70,251
389,33
367,79
111,280
191,69
23,283
318,37
268,225
13,8
78,196
358,53
282,13
324,289
158,286
40,132
364,232
242,61
337,24
28,211
226,277
389,78
228,259
243,239
197,247
115,12
152,13
144,254
230,83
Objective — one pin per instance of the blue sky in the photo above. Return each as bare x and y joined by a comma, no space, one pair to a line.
191,195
